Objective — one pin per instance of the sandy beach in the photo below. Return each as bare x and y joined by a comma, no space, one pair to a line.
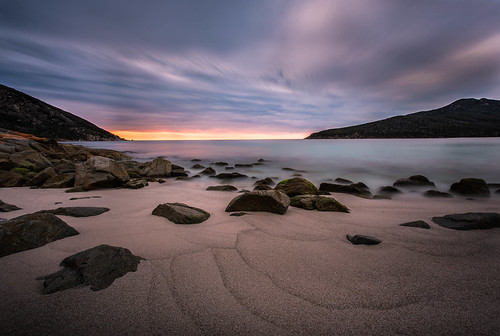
259,274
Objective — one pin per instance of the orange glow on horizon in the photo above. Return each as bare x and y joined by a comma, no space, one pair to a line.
211,135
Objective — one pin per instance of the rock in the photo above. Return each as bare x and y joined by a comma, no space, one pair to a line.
266,181
389,190
417,224
228,168
362,239
180,213
343,181
436,193
163,181
220,163
232,175
157,168
243,165
414,181
135,184
469,221
262,187
102,172
471,187
60,181
294,170
264,200
195,160
225,187
360,185
494,185
320,203
77,211
208,171
97,267
261,160
297,186
29,159
86,197
197,166
179,173
381,197
31,231
5,207
11,179
41,177
350,189
238,214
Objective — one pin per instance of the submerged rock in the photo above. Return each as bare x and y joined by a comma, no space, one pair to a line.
97,267
263,200
320,203
471,187
345,189
297,186
180,213
232,175
225,187
362,239
208,171
469,221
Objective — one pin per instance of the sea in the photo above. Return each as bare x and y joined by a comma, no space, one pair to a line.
376,162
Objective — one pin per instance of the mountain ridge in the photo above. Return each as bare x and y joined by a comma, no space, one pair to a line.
467,117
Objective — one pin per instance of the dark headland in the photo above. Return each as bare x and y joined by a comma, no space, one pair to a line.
462,118
20,112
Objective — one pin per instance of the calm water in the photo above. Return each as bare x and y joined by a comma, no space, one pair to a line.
375,162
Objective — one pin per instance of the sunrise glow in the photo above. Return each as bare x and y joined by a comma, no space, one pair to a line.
211,135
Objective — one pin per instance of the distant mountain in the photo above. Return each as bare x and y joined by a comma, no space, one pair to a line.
463,118
22,113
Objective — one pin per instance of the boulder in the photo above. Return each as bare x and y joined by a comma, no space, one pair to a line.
343,181
225,187
243,165
362,239
469,221
76,211
417,224
232,175
60,181
436,193
41,177
29,159
297,186
11,179
262,187
219,163
263,200
180,213
135,184
345,189
157,168
389,190
31,231
471,187
100,172
265,181
320,203
208,171
414,181
97,267
5,207
197,166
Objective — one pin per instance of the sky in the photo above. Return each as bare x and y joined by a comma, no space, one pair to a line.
260,69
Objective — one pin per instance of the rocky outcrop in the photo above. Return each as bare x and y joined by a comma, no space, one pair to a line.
469,221
345,189
29,159
414,181
31,231
11,179
157,168
100,172
5,207
225,187
97,267
265,200
363,239
471,187
66,180
297,186
41,177
320,203
180,213
417,224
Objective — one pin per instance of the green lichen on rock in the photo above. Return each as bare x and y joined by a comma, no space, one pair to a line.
19,170
297,186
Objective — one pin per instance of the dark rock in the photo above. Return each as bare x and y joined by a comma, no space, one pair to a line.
102,172
436,193
97,267
262,187
228,168
360,185
163,181
76,211
208,171
195,160
5,207
179,173
197,166
180,213
339,188
389,190
297,186
381,197
221,163
417,224
29,159
261,160
469,221
320,203
60,181
41,177
135,184
232,175
471,187
225,187
11,179
497,192
264,200
266,181
494,185
414,181
294,170
157,168
243,165
30,231
238,214
362,239
343,181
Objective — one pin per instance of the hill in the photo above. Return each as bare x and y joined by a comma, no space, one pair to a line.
20,112
462,118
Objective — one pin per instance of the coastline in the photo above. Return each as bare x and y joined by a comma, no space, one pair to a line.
261,273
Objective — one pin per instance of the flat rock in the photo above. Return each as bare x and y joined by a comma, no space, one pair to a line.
180,213
436,193
77,211
232,175
471,187
362,239
417,224
297,186
320,203
225,187
238,214
469,221
5,207
30,231
97,267
263,200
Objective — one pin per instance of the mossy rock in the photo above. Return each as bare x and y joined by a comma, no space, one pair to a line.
132,174
297,186
19,170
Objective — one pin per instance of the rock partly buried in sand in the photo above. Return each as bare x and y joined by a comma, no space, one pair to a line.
417,224
352,189
263,200
225,187
97,267
320,203
469,221
77,211
232,175
437,193
297,186
30,231
180,213
362,239
471,187
5,207
157,168
414,181
100,172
